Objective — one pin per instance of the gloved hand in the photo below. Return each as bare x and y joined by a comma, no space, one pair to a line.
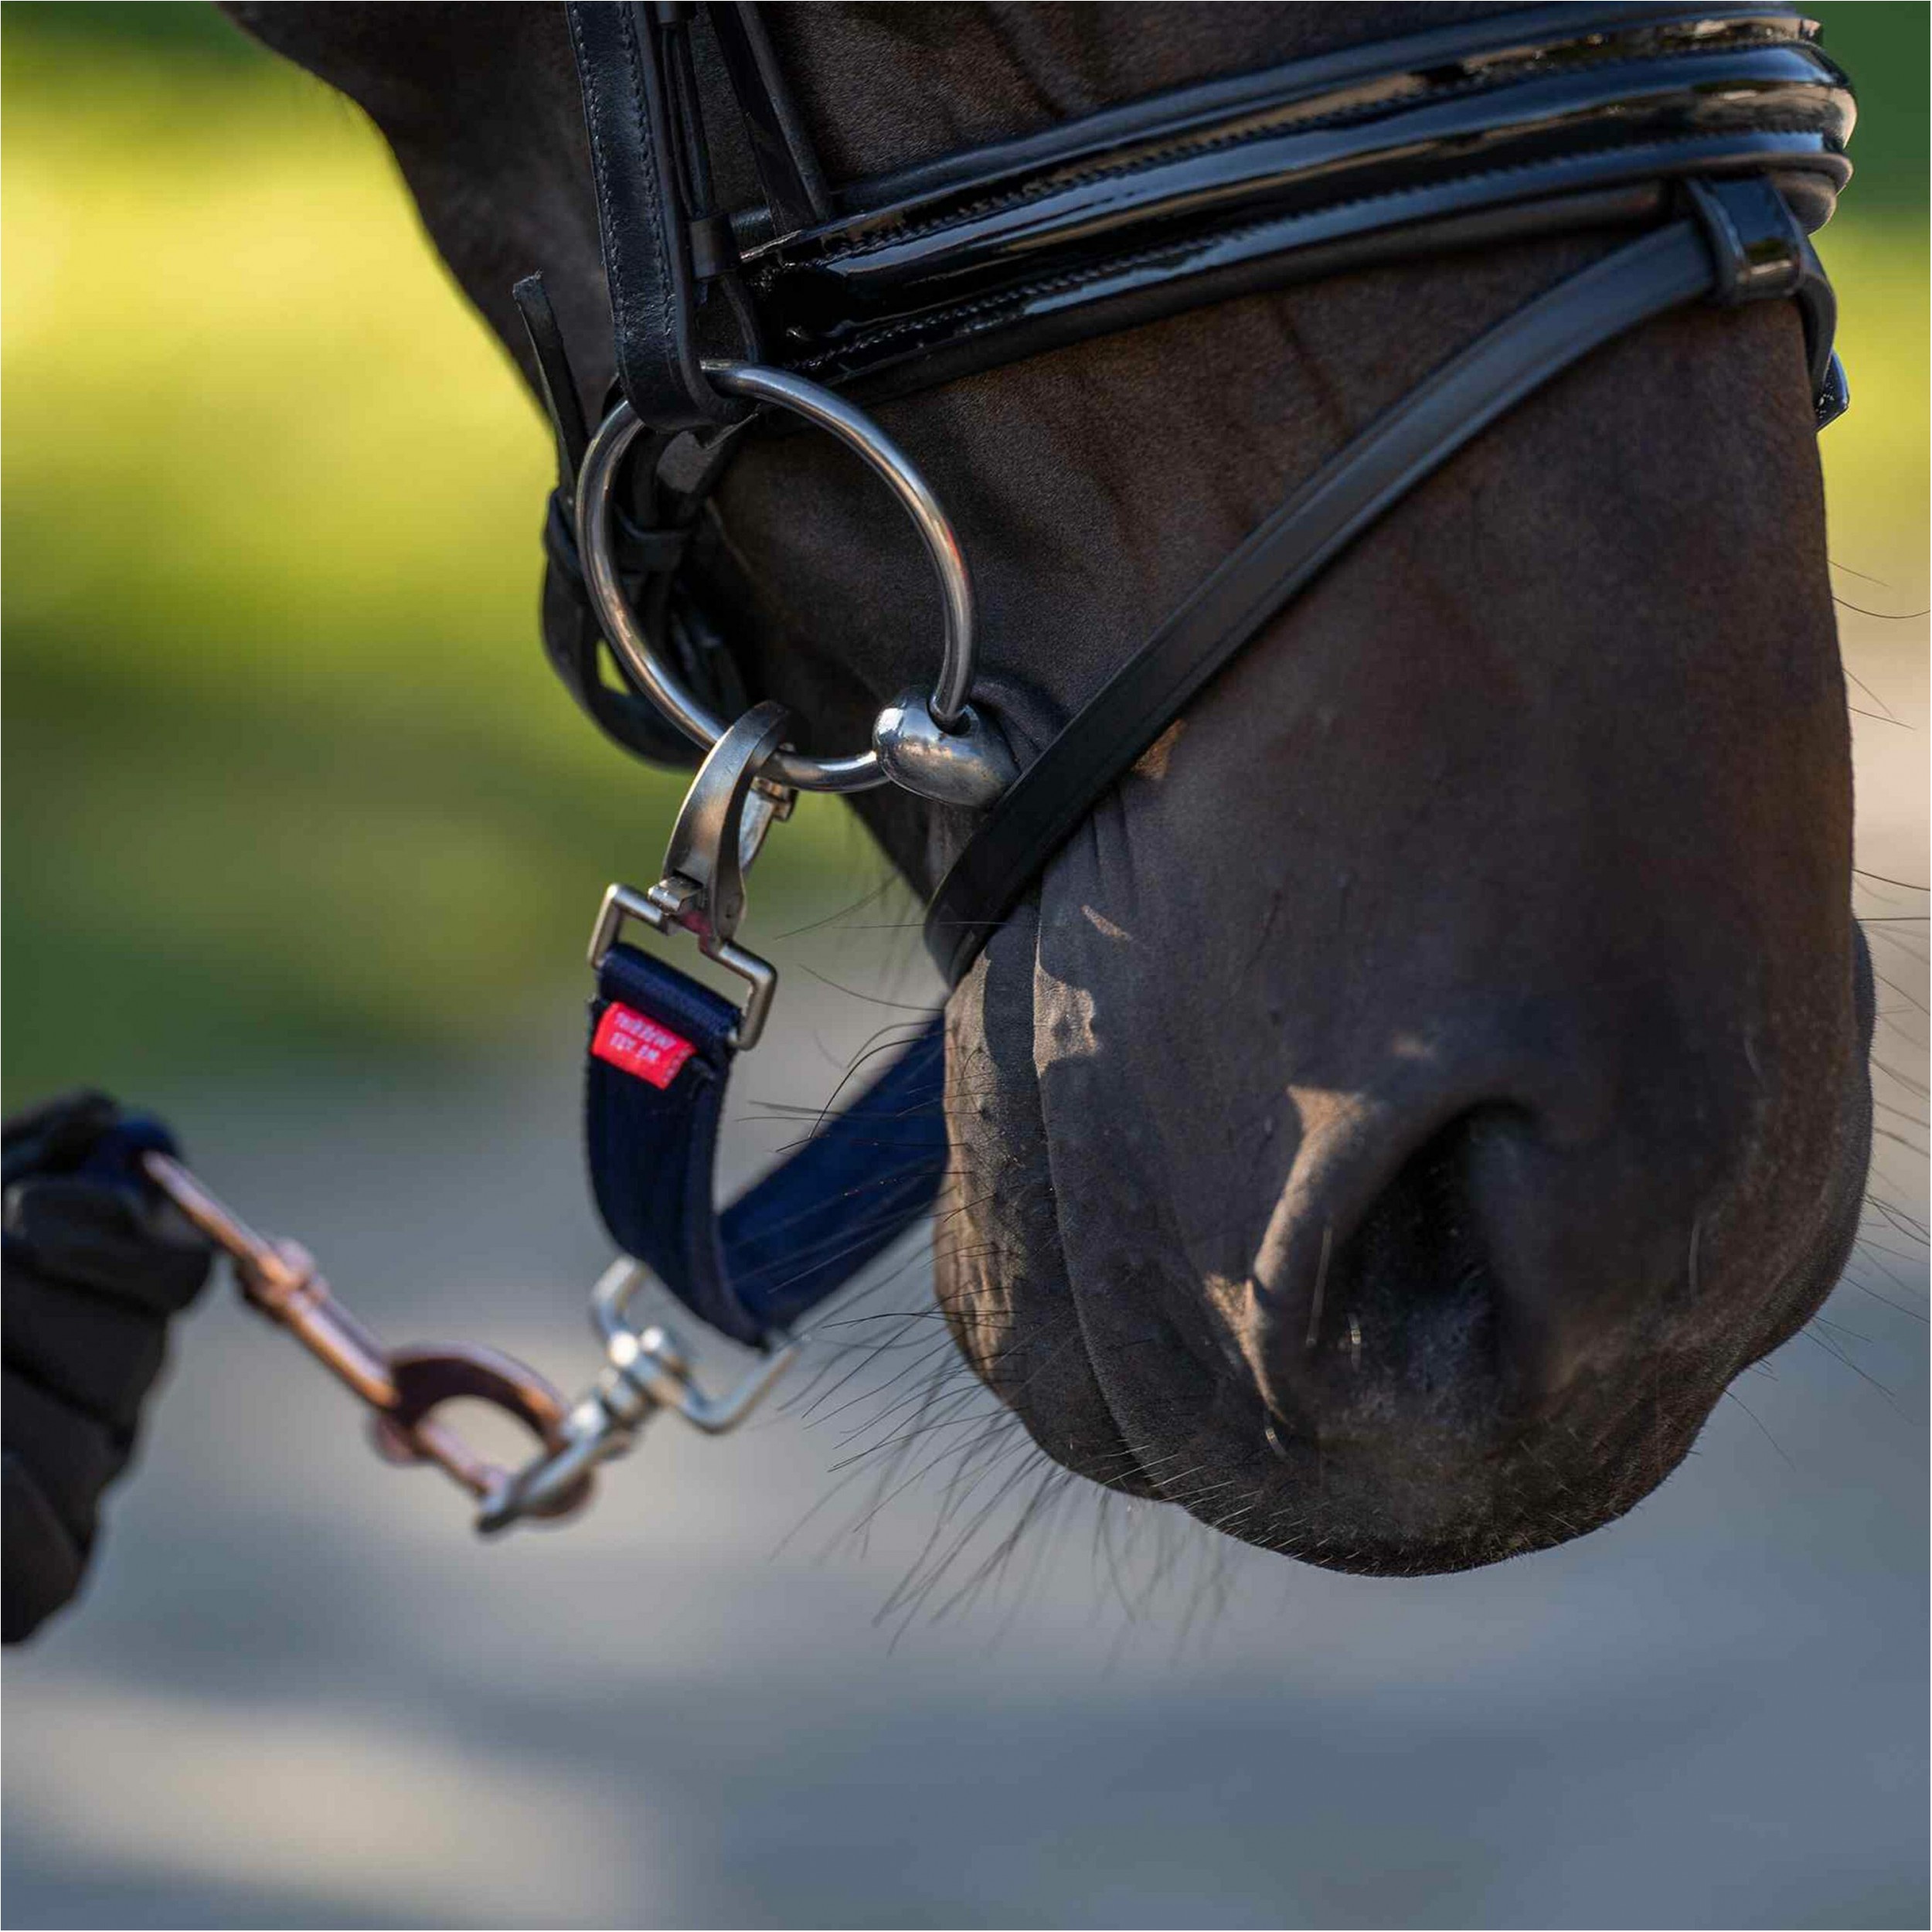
95,1262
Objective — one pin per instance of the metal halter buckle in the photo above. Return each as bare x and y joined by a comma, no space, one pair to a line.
721,829
935,745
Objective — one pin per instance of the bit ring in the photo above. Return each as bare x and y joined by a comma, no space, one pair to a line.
596,484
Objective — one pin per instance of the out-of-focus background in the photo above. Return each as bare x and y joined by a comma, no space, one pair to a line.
301,843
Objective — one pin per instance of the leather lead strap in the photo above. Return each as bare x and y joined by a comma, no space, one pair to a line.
1054,795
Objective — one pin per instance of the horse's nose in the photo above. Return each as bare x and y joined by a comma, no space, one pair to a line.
1458,1252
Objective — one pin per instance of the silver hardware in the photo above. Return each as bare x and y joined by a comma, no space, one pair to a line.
648,1369
596,484
714,840
721,829
966,765
620,903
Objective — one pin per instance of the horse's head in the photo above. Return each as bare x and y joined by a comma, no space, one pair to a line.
1439,1067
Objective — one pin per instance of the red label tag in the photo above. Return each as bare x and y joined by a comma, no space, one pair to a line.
629,1041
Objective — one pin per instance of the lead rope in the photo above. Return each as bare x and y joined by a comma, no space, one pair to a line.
661,1051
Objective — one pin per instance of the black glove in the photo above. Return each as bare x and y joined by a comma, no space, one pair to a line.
95,1261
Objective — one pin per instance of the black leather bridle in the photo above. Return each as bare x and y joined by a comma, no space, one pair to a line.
1715,134
1716,137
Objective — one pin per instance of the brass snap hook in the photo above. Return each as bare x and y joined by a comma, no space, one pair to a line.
426,1377
404,1386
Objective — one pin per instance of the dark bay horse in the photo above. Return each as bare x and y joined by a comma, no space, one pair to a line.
1440,1067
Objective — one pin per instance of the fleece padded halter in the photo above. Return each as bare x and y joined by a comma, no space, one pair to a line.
1717,135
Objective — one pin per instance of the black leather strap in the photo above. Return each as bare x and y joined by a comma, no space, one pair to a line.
1055,793
781,149
1758,253
652,538
644,214
1393,147
556,382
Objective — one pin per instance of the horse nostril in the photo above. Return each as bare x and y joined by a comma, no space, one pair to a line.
1407,1316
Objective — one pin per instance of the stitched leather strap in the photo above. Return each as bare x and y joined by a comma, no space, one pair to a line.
1055,793
649,554
1532,120
643,215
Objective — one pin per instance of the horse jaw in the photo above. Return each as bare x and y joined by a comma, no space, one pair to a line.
1440,1068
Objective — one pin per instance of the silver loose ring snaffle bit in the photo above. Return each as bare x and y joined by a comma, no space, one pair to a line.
934,745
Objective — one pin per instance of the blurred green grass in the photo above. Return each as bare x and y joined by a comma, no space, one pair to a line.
285,775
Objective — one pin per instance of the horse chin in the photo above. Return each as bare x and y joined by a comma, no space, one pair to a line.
1391,1492
1408,1439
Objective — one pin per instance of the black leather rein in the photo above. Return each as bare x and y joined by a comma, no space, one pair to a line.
1717,134
1743,228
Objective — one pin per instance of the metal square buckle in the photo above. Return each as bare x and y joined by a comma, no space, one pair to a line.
664,909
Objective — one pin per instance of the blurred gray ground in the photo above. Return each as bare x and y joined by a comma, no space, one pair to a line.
300,1693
